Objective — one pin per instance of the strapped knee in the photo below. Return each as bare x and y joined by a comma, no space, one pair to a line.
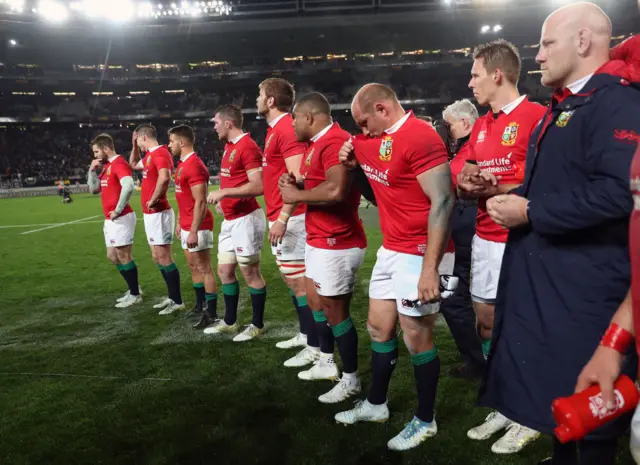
246,261
227,258
292,269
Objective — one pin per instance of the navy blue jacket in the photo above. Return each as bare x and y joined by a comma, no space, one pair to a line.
564,274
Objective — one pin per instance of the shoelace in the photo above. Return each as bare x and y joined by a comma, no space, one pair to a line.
513,433
410,429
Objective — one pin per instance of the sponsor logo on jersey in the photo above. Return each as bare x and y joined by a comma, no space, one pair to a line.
563,119
481,136
308,160
331,241
233,154
386,148
510,134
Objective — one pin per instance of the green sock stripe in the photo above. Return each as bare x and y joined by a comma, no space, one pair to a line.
160,267
342,328
171,267
384,347
231,288
129,266
119,267
198,285
486,347
318,316
210,296
254,291
425,357
291,293
302,301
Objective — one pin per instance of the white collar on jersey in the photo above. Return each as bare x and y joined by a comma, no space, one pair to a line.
183,159
577,86
235,140
153,149
321,133
509,107
275,121
398,124
112,158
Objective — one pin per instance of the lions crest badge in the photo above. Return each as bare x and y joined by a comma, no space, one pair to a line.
510,134
109,170
233,154
307,162
148,160
266,145
563,119
179,173
386,148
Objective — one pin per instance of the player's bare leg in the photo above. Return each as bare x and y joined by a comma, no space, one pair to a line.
201,261
250,269
129,272
381,324
163,258
484,319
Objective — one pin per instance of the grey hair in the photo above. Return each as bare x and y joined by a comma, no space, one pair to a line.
461,109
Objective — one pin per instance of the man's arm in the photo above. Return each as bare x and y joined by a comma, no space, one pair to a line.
164,178
254,188
605,196
436,184
127,185
293,166
199,192
134,157
361,181
333,190
93,182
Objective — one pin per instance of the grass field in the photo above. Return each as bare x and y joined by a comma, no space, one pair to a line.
84,383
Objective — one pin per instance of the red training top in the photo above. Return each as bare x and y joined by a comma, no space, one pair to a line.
153,162
110,188
191,172
238,158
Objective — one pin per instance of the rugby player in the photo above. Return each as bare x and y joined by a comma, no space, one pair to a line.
115,184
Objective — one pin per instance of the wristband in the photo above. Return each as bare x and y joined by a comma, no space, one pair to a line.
616,338
285,214
281,221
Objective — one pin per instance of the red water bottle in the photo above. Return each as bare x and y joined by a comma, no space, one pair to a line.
581,413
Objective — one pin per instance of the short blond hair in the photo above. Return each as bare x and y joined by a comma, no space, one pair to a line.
500,54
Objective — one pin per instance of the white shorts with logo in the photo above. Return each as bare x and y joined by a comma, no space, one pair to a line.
205,240
243,236
486,261
333,272
120,232
160,227
635,436
395,276
294,240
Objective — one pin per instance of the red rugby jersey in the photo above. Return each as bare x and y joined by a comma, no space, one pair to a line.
152,163
458,161
191,171
237,159
110,188
280,144
499,145
392,163
336,226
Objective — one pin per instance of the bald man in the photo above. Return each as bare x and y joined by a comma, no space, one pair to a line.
565,270
407,164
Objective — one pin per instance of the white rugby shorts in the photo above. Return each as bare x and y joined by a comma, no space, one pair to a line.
120,232
160,227
294,240
243,236
395,276
205,240
333,272
486,261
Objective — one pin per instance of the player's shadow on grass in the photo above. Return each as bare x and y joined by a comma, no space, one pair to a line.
380,456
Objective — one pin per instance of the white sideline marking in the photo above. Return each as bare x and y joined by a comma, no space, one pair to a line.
71,375
60,224
25,225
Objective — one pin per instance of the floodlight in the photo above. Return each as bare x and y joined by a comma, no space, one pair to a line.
13,42
485,29
53,11
497,28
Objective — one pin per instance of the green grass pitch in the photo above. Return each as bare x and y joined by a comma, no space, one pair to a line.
82,382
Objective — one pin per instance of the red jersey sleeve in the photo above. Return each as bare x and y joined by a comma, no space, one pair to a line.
163,162
252,158
430,152
289,145
121,170
329,154
197,175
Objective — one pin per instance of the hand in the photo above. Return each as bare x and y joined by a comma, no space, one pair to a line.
95,164
347,156
429,286
192,240
286,179
289,193
478,184
276,233
216,196
219,208
508,210
151,203
602,369
178,229
112,215
134,141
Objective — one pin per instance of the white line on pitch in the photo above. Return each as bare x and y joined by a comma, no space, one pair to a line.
25,225
60,224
